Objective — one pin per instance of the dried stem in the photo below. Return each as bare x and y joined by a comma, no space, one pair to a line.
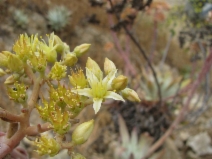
120,50
205,104
148,62
184,109
141,51
154,41
207,76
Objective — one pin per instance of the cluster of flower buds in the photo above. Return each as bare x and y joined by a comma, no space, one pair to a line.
63,105
37,53
47,145
27,66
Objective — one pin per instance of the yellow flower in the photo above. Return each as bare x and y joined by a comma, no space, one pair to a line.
46,145
58,117
77,79
99,88
57,72
25,46
50,49
17,92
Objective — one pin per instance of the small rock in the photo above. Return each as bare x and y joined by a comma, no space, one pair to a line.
184,136
208,124
201,144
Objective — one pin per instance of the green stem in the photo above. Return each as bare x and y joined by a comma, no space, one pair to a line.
67,145
29,72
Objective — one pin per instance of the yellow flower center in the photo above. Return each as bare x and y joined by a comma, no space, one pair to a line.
99,90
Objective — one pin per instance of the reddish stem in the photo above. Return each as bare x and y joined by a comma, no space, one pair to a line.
154,41
37,129
120,50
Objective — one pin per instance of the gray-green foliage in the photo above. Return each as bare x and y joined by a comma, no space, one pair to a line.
20,18
58,17
132,145
169,81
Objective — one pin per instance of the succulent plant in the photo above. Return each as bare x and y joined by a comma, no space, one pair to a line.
168,79
58,17
20,18
132,146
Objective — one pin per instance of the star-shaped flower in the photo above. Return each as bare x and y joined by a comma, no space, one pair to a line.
99,88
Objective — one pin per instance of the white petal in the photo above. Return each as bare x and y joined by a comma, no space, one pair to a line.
91,77
108,66
97,104
94,67
109,78
85,92
114,96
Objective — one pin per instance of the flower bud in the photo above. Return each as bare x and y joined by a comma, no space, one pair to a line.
70,59
66,47
3,59
119,83
60,45
2,72
51,55
50,49
59,48
14,63
11,79
58,42
130,95
77,156
94,68
82,132
109,66
81,49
